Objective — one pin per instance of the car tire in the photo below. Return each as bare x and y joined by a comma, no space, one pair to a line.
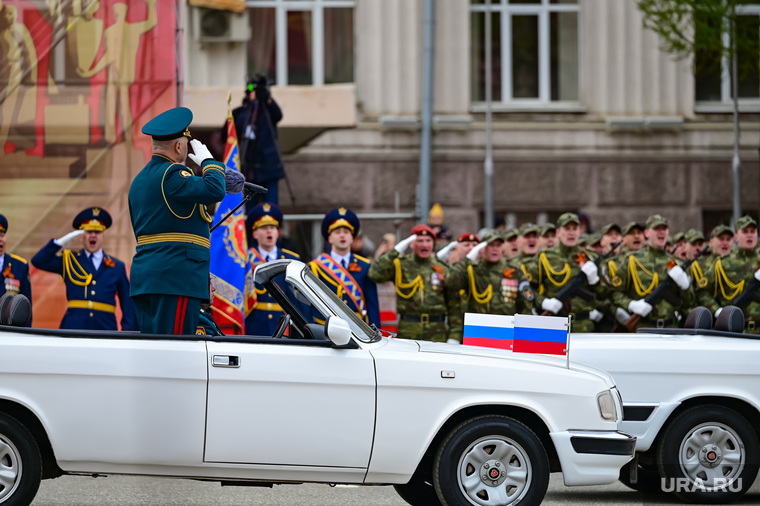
708,443
491,460
648,480
419,491
20,463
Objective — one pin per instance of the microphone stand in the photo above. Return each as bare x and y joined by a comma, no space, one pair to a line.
248,194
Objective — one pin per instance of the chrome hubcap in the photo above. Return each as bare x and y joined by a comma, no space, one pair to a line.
494,471
10,468
712,454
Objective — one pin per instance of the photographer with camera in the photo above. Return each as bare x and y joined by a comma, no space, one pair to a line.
256,126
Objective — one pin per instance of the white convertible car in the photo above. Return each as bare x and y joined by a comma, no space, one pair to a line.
334,403
692,398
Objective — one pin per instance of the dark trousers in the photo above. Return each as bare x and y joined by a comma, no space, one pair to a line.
167,314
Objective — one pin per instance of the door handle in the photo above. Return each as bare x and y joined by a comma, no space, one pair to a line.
225,361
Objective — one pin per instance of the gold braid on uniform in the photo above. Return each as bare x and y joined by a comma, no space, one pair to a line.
483,297
414,285
696,272
74,271
633,274
721,278
551,274
338,286
202,209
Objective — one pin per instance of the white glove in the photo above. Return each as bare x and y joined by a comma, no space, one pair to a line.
200,152
622,316
717,312
757,274
474,252
640,307
63,241
591,271
402,245
552,305
680,277
451,340
446,250
234,180
595,316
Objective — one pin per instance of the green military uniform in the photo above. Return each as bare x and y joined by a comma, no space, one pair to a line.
639,273
206,324
728,277
421,291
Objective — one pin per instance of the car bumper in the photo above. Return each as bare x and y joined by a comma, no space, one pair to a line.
592,457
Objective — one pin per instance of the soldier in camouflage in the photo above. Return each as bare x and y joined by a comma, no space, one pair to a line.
527,244
420,280
638,274
556,266
547,236
491,285
721,243
457,301
694,241
677,245
727,278
509,249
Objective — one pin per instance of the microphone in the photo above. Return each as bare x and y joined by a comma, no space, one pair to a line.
254,188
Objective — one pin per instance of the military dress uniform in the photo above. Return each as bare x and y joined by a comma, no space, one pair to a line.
206,325
348,277
91,292
421,292
167,205
458,299
14,271
728,277
266,312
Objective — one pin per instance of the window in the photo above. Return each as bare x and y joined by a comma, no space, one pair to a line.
713,73
534,48
307,42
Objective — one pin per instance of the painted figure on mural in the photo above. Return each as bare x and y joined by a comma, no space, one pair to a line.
18,83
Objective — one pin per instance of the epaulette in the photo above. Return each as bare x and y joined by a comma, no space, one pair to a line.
361,258
16,257
292,253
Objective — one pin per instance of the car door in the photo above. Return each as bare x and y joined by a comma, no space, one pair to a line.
289,403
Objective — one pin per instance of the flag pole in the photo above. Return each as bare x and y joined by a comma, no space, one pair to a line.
569,325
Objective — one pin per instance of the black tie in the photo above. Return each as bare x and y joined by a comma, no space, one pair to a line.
269,259
343,262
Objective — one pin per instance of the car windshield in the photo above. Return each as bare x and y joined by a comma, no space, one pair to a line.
363,331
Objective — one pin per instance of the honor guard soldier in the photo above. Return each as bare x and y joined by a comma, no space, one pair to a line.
93,278
558,265
727,279
265,220
167,205
638,274
420,280
14,269
344,272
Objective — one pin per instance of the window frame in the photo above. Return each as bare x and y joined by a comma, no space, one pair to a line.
317,9
543,11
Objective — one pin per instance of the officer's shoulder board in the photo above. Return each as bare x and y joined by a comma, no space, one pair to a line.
361,259
293,253
16,257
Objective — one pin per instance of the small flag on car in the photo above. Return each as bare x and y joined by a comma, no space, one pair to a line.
540,334
488,330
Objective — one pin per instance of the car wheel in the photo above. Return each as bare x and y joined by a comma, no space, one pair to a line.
20,463
418,492
709,454
647,479
489,461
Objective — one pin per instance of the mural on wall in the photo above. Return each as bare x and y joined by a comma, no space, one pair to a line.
79,75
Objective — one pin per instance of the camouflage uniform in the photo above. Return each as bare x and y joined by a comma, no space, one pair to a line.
457,300
421,293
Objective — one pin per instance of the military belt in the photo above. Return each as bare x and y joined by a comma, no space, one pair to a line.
88,304
267,306
423,318
173,237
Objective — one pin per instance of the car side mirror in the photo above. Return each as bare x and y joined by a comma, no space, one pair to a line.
338,331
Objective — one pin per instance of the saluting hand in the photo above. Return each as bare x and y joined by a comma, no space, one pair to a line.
200,152
402,245
475,251
63,241
446,250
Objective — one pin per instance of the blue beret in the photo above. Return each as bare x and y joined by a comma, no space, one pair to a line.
93,219
170,124
340,217
264,214
3,224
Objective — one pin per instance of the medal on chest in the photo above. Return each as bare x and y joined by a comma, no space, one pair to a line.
12,285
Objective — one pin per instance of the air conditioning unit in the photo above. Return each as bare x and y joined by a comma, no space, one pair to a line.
215,25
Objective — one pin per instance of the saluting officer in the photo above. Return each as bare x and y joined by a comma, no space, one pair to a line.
167,205
457,300
556,266
14,270
420,279
728,277
639,273
265,220
344,272
93,278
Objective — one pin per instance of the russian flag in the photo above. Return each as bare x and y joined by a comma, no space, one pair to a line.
540,334
489,330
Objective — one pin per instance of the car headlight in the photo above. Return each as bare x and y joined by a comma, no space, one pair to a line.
606,404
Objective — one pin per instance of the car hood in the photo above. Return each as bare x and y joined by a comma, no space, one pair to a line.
494,353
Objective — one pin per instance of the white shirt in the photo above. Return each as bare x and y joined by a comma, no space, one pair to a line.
2,261
341,259
268,256
96,258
